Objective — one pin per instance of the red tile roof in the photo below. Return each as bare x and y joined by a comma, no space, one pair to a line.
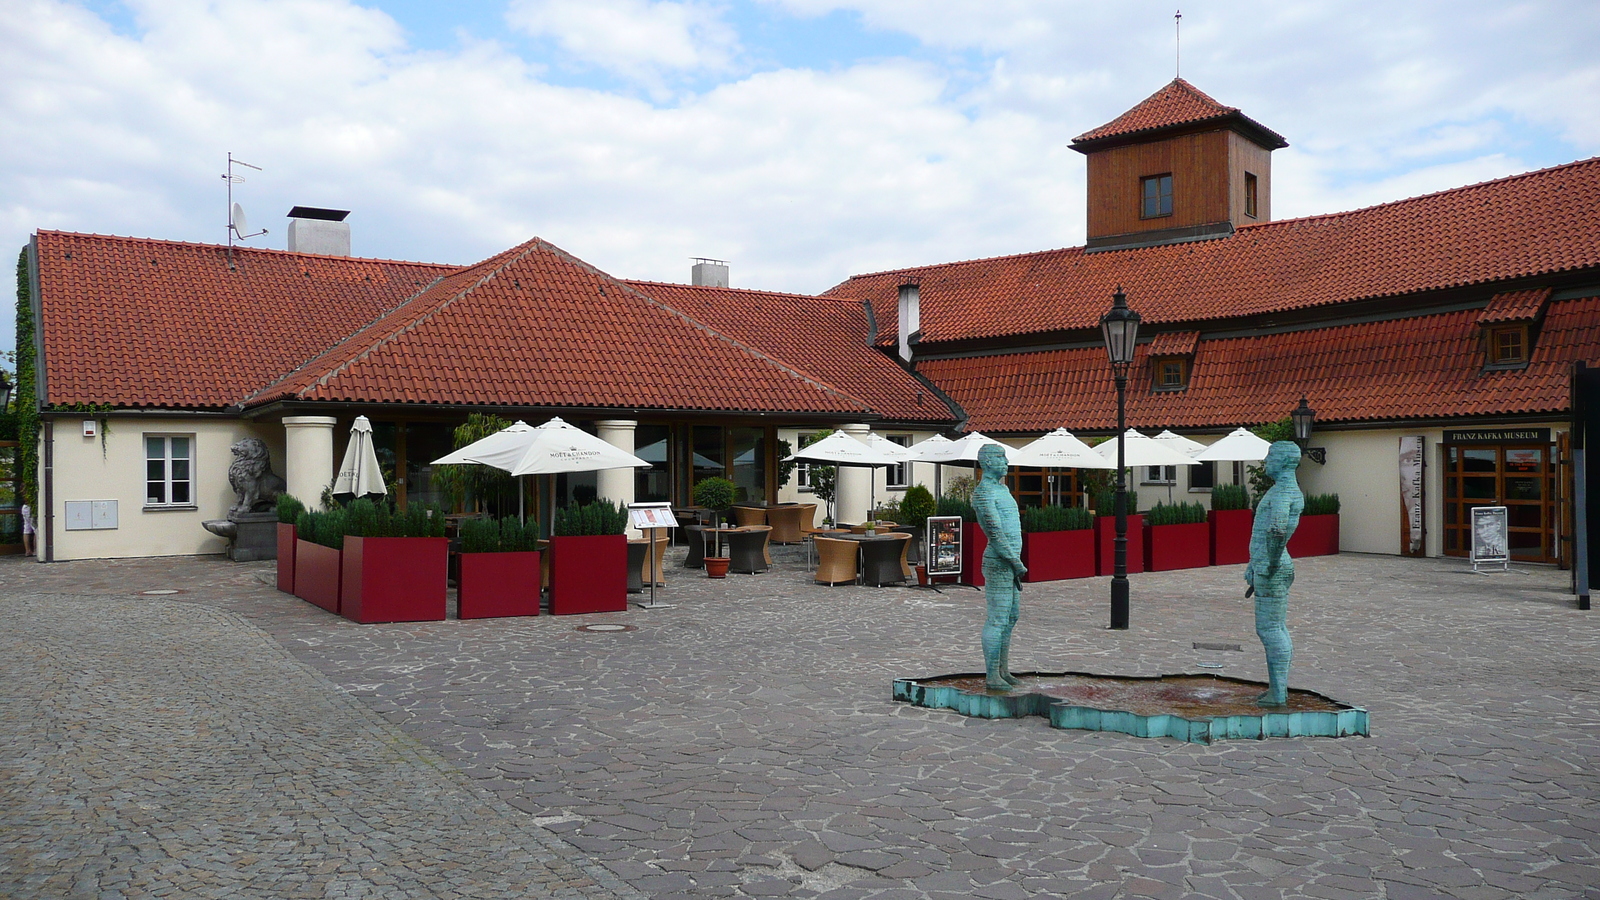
1174,343
133,322
1515,306
1422,367
825,336
1178,104
1467,236
534,326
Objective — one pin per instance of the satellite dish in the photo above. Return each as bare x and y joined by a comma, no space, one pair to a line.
237,220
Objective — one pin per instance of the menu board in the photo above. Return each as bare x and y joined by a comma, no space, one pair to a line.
651,515
944,545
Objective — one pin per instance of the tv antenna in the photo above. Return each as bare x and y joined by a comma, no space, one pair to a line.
1177,44
238,226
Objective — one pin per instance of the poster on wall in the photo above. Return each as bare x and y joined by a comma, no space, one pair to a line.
1491,543
944,545
1411,465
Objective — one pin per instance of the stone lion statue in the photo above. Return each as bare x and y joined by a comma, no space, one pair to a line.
252,478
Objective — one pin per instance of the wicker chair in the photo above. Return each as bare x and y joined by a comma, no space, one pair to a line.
808,514
785,522
836,561
749,515
747,548
659,553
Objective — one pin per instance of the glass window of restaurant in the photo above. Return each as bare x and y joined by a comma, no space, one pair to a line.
747,447
652,443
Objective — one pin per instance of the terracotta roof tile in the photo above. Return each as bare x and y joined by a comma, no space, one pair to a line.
1174,343
1423,367
825,336
1467,236
142,323
1177,104
534,326
1515,306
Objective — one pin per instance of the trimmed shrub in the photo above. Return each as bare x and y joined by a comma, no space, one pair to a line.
289,509
917,505
1230,496
1055,518
955,506
505,535
1321,505
599,517
1175,514
1105,503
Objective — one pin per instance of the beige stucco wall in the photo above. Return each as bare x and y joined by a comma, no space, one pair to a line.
84,472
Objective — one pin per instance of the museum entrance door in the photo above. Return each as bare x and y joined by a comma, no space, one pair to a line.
1520,477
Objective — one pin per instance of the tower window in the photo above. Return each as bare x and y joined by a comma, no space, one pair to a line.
1250,195
1157,193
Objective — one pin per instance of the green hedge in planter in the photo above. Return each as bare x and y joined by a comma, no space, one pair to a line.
507,535
325,528
1105,504
1321,505
289,509
1055,518
1230,496
364,518
1174,514
599,517
955,506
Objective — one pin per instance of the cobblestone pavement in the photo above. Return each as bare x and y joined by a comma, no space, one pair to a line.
743,743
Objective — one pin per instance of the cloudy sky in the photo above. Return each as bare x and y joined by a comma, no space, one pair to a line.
804,140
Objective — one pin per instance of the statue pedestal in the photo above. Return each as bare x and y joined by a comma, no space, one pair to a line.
256,536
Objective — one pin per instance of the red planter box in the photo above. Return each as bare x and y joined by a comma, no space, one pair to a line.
973,543
1230,536
394,579
1058,555
492,585
317,574
588,574
1168,547
1315,536
1105,531
287,538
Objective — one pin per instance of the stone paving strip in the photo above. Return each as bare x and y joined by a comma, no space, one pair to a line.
162,749
743,743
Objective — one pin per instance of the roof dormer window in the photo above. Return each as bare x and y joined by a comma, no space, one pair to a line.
1509,325
1171,359
1508,345
1156,191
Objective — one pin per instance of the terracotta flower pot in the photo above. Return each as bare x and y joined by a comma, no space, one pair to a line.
717,566
922,575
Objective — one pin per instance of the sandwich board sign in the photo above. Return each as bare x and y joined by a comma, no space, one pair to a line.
944,545
1491,543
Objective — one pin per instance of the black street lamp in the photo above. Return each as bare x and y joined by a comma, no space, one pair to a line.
1302,417
1120,326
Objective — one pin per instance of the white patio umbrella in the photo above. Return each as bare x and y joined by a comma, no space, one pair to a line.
1139,450
840,449
549,449
1059,450
923,447
1241,445
359,473
890,448
1179,443
960,452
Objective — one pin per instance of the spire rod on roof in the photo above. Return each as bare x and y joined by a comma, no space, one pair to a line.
1177,44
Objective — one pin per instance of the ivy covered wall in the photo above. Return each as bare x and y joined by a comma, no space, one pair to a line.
24,396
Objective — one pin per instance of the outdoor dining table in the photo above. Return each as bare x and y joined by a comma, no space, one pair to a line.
880,557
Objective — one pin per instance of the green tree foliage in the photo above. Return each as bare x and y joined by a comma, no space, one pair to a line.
472,486
24,395
1271,432
824,480
917,505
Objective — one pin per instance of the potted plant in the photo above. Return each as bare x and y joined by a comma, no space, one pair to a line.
1105,532
498,569
589,559
915,508
1057,543
318,557
717,495
395,564
1176,536
973,540
1230,518
289,510
1318,532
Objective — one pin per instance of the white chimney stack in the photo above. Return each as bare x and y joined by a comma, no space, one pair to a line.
315,230
709,273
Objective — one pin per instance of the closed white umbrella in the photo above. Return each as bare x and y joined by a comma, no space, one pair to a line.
360,474
1241,445
1060,450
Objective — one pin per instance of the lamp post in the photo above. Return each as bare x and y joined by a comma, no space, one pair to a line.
1120,326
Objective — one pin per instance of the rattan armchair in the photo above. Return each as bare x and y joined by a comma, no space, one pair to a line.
785,522
836,561
749,515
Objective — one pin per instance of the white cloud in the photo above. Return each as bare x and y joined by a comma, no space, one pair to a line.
640,40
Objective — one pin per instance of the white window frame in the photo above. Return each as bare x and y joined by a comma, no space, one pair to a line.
898,476
167,480
1159,475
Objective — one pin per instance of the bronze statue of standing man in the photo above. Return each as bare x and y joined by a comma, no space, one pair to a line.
1271,569
1002,564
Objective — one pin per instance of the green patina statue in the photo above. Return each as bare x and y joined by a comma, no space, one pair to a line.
1271,570
1002,565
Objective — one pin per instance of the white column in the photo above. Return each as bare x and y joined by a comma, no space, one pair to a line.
854,485
308,457
616,485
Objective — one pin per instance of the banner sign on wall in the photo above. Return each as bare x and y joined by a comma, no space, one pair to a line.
1411,465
